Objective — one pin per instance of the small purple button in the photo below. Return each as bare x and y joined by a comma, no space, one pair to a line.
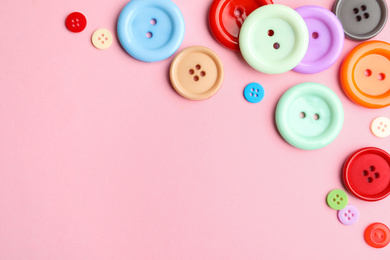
348,215
326,42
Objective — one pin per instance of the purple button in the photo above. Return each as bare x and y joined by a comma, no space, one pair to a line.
348,215
326,42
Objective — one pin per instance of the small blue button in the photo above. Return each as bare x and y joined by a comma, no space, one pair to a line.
151,30
254,93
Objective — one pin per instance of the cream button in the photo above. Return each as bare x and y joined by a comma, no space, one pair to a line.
196,73
102,39
380,127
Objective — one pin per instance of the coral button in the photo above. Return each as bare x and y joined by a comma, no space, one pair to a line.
365,74
377,235
227,16
76,22
274,39
326,42
196,73
366,174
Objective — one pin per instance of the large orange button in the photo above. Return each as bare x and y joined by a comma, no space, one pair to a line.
365,74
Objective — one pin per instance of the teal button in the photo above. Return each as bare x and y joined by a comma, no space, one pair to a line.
309,116
274,39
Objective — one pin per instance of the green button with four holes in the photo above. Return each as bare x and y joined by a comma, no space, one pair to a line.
337,199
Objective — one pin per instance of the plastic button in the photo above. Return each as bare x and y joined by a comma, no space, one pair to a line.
254,93
309,116
196,73
348,215
362,19
76,22
365,74
377,235
326,39
366,174
274,39
102,39
150,30
226,18
337,199
380,127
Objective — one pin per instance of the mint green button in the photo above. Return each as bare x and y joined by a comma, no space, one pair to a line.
309,116
274,39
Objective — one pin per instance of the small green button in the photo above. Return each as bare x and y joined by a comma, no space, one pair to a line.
274,39
337,199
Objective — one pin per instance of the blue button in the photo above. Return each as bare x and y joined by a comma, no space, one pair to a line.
254,93
151,30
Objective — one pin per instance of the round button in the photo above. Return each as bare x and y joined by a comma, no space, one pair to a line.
365,74
76,22
380,127
102,39
348,215
309,116
326,39
366,174
254,93
337,199
361,20
274,39
226,18
150,30
196,73
377,235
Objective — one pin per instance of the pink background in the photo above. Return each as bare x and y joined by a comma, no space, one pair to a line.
101,159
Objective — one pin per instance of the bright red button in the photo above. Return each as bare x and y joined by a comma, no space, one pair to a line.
377,235
367,174
76,22
227,16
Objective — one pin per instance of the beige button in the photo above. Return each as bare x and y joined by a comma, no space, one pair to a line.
102,39
196,73
380,127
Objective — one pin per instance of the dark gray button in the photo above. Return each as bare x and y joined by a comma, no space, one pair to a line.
361,19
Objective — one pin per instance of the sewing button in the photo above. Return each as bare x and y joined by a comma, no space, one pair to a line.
366,174
348,215
377,235
76,22
362,19
309,116
150,30
102,39
380,127
274,39
196,73
365,74
226,18
326,39
254,93
337,199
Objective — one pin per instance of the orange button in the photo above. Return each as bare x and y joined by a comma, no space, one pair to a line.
365,74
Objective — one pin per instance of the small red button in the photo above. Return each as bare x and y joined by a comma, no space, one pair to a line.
76,22
377,235
227,16
367,174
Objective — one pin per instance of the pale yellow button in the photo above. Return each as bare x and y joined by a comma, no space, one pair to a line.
102,39
380,127
196,73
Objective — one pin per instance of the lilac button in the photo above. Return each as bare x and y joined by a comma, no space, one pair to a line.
326,42
348,215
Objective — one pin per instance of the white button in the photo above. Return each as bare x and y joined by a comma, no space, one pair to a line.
380,127
102,39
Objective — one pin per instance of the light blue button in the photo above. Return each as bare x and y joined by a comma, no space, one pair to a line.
151,30
309,116
254,92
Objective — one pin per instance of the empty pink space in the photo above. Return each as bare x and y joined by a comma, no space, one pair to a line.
101,159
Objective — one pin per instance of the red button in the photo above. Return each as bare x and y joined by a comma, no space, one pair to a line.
76,22
377,235
227,16
367,174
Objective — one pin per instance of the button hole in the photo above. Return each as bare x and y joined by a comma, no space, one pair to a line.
271,33
202,73
315,35
238,12
302,115
367,73
358,18
363,7
377,175
276,46
381,76
198,67
366,15
316,117
355,10
372,168
365,173
191,71
153,21
196,78
369,180
149,35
